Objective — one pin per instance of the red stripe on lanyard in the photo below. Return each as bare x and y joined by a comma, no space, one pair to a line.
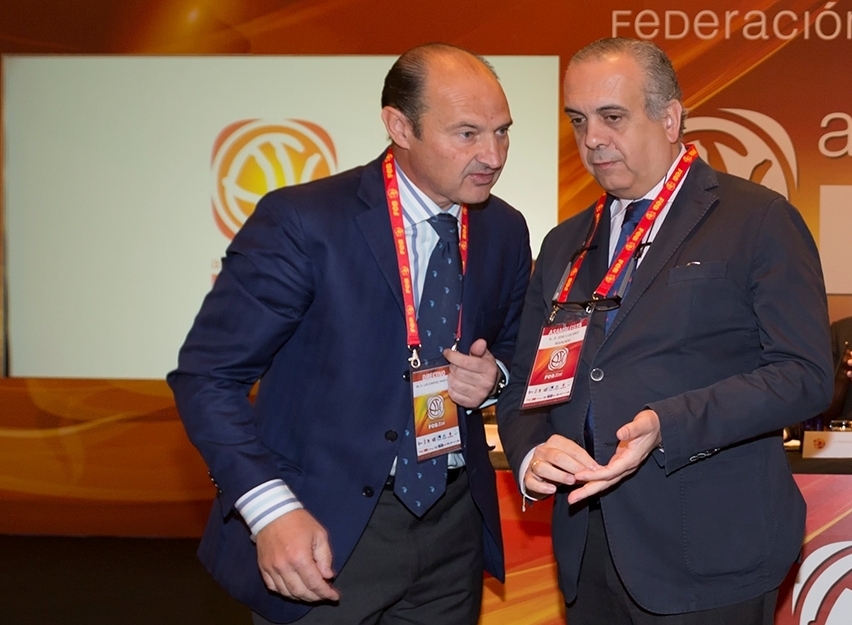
620,262
402,258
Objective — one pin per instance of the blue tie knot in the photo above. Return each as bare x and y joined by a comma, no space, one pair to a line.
634,212
446,226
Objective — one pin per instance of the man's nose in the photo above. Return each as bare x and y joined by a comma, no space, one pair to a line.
596,134
493,152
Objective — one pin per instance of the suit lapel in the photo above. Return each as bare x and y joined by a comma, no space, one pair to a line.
591,273
592,266
474,278
598,267
691,204
375,225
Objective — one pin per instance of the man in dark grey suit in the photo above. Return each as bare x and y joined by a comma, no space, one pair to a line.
701,339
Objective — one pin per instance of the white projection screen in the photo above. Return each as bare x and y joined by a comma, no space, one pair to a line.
113,165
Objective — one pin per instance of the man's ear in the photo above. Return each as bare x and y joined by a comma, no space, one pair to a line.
671,120
397,126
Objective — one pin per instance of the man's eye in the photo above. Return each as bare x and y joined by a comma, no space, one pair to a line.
577,121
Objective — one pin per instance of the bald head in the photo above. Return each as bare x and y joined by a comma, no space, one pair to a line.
448,119
405,83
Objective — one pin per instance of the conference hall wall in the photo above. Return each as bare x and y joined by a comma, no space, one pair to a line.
96,279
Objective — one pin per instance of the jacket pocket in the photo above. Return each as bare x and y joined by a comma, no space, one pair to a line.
725,508
698,270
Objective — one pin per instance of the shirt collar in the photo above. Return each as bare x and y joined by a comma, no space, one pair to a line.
620,205
416,205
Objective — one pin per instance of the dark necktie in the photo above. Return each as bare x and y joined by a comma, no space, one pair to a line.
420,484
632,216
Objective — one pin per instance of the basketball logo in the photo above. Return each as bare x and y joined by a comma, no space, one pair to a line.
252,157
435,407
558,359
747,144
821,593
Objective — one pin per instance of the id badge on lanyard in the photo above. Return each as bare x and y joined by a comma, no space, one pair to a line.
436,416
554,369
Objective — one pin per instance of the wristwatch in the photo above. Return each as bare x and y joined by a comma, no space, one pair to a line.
499,385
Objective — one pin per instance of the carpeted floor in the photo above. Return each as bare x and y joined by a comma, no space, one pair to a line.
109,581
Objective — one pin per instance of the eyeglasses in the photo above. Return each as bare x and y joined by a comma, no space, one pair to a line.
604,304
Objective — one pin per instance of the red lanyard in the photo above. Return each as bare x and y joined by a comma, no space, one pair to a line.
398,229
620,261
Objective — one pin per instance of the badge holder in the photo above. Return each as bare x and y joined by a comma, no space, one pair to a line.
436,416
551,379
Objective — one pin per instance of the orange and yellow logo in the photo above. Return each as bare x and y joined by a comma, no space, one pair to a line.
252,157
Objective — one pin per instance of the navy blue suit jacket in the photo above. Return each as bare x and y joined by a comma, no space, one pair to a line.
309,302
724,333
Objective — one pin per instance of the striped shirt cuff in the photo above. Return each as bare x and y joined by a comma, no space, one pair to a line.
265,503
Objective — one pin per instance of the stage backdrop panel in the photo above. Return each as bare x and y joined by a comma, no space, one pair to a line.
125,178
835,236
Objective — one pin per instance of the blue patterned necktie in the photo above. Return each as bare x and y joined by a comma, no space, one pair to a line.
632,216
420,484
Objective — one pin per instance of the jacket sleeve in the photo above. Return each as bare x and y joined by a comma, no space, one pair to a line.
503,347
792,378
256,303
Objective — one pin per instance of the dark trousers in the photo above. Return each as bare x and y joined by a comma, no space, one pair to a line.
411,571
603,600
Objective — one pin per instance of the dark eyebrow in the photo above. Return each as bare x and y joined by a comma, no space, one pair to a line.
603,110
472,126
611,108
464,124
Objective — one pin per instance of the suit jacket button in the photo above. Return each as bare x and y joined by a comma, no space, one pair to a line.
596,374
406,375
368,491
391,436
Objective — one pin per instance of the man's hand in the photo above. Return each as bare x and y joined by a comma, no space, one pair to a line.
555,462
637,440
294,558
472,377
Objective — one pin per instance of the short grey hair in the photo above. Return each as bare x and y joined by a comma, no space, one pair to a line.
661,85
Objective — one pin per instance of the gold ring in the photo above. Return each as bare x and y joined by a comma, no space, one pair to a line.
532,466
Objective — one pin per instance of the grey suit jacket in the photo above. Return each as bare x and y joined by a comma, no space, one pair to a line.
724,333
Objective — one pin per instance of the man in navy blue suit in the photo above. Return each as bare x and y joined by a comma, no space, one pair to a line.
333,507
693,328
